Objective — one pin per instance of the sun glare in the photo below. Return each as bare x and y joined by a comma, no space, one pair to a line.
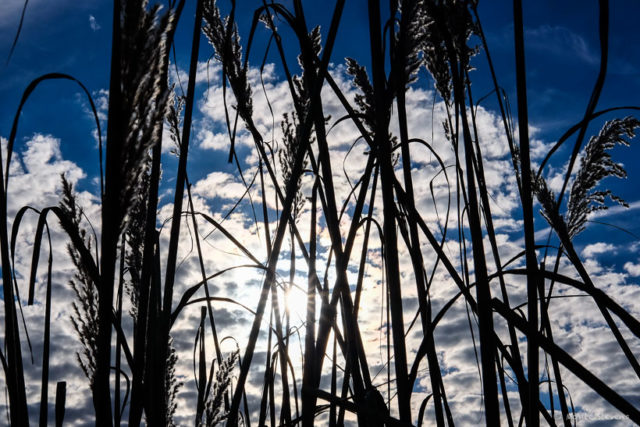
295,300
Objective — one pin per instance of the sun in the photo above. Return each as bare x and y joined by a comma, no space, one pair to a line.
295,300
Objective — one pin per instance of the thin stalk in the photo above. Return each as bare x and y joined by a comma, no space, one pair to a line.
162,334
546,329
546,326
140,326
505,396
201,379
503,111
265,213
365,245
334,365
110,226
533,417
485,319
285,408
398,73
576,368
272,397
595,95
268,379
156,343
205,284
141,332
488,217
182,166
286,214
329,202
44,392
383,146
310,327
61,395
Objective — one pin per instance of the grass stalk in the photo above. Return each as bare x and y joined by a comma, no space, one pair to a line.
603,6
182,165
111,218
61,394
309,365
201,376
383,147
44,387
485,320
533,418
205,284
576,368
401,62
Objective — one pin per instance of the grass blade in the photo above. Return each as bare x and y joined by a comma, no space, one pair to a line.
61,397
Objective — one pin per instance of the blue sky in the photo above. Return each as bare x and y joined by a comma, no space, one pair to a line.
562,64
562,53
561,39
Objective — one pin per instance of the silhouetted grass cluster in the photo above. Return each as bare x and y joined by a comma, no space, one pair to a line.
441,36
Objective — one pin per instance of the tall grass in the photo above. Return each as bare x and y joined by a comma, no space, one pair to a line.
383,211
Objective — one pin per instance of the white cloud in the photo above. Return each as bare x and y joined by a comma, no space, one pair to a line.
576,322
219,184
93,23
593,249
35,181
632,269
36,173
101,102
213,141
208,72
452,337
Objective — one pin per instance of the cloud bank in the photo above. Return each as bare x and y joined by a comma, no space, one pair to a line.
576,322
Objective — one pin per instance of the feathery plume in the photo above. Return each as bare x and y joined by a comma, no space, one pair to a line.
596,165
85,309
287,157
214,413
366,99
144,93
171,384
411,36
174,119
223,36
448,25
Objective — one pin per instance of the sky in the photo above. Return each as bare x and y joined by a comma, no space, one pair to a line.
56,135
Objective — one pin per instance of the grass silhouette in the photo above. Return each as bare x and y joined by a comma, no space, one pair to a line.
128,258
